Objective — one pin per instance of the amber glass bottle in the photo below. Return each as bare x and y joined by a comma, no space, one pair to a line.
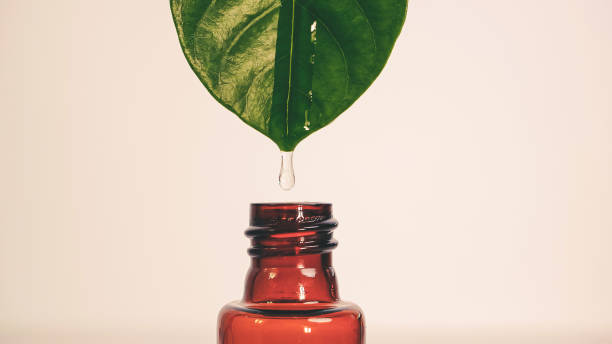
291,294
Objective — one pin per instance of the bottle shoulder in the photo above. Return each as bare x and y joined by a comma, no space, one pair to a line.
305,309
273,323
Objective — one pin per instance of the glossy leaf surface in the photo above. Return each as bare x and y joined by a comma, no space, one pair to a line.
287,67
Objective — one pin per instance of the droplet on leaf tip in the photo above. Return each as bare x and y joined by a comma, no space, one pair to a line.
286,178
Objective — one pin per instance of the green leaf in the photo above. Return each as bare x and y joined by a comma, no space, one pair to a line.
287,67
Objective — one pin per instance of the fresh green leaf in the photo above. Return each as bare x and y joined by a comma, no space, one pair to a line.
287,67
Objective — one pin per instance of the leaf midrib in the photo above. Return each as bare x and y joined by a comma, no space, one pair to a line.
290,67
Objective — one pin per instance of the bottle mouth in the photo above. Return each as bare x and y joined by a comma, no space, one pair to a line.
291,228
289,213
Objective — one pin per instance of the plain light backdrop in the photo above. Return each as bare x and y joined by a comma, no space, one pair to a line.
472,181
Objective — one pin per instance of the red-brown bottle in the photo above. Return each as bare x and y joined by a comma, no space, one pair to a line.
291,294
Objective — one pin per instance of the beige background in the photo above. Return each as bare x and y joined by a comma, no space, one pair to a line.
472,182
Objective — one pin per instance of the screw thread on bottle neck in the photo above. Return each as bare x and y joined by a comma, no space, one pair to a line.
286,229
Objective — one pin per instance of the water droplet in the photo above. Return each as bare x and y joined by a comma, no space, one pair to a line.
286,178
313,32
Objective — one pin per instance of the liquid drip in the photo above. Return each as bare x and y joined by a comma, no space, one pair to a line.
286,178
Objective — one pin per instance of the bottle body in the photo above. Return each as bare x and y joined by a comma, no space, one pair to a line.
291,293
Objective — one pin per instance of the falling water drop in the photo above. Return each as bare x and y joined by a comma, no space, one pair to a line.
286,178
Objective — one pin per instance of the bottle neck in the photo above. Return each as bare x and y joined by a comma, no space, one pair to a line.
291,247
291,279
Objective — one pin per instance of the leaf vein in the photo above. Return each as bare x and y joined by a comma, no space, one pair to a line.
261,73
336,42
367,21
240,34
